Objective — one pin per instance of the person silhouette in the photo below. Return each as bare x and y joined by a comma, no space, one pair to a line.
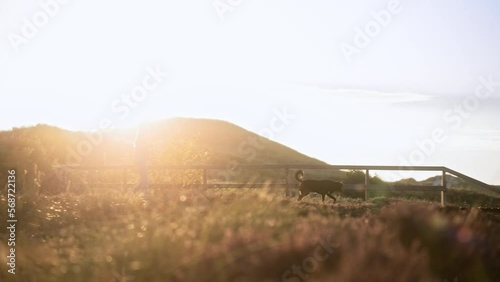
141,160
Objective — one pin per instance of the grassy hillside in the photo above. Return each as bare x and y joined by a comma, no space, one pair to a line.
175,141
227,142
220,140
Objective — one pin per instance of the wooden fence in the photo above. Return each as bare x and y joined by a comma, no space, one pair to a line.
442,187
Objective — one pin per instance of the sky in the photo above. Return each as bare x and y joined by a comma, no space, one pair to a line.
354,82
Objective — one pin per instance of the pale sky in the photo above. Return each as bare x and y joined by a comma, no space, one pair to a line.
71,64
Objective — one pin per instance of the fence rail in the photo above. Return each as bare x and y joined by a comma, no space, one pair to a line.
442,188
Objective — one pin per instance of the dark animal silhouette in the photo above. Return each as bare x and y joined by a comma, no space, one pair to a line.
322,187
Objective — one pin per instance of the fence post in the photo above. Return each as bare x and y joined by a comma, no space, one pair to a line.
443,193
66,180
367,182
205,185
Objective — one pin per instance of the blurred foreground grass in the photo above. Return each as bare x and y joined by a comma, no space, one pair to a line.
247,235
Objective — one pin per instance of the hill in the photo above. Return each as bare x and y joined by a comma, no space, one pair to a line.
179,141
219,141
223,142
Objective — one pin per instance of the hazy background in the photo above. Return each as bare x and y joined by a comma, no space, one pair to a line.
267,55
